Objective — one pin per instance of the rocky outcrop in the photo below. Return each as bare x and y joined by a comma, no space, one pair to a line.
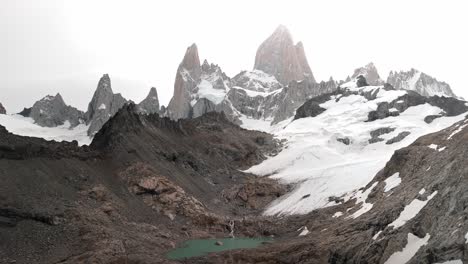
203,106
370,73
2,109
103,105
296,94
450,106
51,111
278,56
150,104
26,112
187,78
312,108
419,82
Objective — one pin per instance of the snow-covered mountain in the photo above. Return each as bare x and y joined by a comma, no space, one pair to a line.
342,139
370,73
420,82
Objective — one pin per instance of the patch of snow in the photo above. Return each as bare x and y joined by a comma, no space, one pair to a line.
433,146
252,93
377,235
304,231
337,214
393,110
422,191
410,211
466,238
206,90
442,149
102,107
412,246
429,168
392,182
460,128
25,126
361,198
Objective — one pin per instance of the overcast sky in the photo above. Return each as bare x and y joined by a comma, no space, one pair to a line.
65,46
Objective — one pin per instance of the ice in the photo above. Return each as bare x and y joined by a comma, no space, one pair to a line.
392,182
412,246
25,126
252,93
410,211
206,90
316,163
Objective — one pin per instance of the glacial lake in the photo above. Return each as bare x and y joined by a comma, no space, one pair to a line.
200,247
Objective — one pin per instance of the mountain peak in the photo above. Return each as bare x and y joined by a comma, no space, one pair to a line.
191,61
370,73
278,56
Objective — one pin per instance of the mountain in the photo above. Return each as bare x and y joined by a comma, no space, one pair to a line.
150,104
2,109
355,130
370,73
278,56
51,111
259,94
103,105
419,82
411,211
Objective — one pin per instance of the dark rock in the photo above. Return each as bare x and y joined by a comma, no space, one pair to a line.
375,134
2,109
398,138
428,119
361,81
26,112
150,104
345,141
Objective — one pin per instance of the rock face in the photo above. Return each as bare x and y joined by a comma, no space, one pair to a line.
103,105
51,111
187,78
279,57
370,73
2,109
150,104
419,82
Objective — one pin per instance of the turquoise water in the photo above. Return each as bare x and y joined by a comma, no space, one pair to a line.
200,247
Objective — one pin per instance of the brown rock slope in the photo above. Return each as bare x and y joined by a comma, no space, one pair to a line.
145,184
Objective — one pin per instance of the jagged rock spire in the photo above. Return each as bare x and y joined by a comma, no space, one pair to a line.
103,105
370,73
187,77
2,109
278,56
150,104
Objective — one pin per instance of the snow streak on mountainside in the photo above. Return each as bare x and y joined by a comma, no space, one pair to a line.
25,126
341,148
